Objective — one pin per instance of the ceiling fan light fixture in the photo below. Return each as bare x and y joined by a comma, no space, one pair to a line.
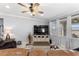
33,13
34,8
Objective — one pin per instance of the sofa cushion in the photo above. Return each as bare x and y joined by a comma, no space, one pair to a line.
37,52
14,52
59,53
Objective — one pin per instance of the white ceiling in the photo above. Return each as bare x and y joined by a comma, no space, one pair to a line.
51,10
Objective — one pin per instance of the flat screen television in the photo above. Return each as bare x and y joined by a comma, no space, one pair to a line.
41,29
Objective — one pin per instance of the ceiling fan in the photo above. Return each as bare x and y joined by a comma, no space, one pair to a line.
33,8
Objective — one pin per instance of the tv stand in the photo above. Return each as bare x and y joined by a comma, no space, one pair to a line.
41,41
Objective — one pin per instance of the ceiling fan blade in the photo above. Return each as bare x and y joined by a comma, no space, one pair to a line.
41,12
36,4
22,5
24,11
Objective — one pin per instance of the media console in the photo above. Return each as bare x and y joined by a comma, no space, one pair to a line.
41,37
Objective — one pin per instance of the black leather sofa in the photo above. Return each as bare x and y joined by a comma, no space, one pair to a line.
6,44
76,49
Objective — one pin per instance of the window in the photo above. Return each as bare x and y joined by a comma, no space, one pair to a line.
75,27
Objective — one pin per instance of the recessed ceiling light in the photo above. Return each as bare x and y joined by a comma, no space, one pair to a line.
7,6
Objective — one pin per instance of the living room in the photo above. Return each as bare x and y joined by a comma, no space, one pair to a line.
39,29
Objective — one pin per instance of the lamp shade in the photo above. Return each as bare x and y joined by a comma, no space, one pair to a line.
8,30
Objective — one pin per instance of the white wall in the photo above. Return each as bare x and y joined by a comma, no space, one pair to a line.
21,26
